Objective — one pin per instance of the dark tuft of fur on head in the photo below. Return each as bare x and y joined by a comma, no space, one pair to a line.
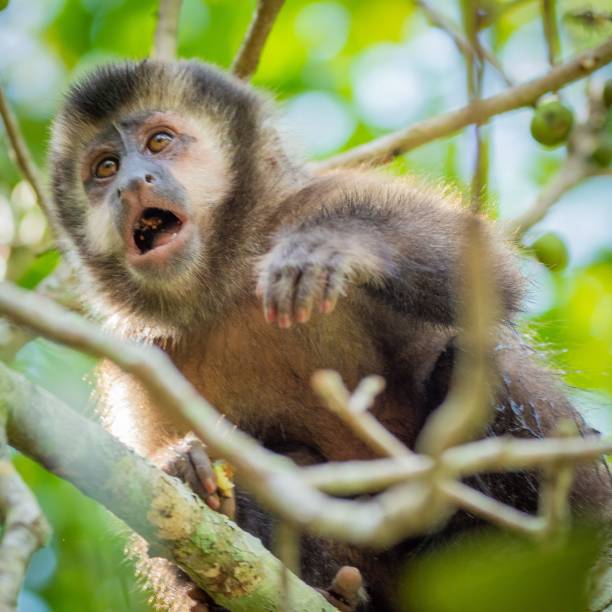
103,92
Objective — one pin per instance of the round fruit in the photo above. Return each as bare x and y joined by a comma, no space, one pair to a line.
607,93
602,155
551,123
550,250
3,4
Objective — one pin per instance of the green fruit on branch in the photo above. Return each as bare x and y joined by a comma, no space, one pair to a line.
552,123
550,250
602,155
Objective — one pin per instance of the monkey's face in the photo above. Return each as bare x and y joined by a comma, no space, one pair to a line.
153,174
152,180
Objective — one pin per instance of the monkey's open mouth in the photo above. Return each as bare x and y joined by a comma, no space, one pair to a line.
154,228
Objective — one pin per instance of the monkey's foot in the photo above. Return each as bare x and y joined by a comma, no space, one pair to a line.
295,276
192,465
346,591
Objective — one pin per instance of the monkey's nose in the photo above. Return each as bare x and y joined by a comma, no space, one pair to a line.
135,185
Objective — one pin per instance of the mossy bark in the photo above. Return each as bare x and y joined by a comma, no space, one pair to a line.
228,563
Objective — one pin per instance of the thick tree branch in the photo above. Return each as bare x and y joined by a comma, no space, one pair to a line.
166,33
387,147
247,59
23,157
231,565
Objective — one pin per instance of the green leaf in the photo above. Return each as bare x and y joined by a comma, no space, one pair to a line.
40,268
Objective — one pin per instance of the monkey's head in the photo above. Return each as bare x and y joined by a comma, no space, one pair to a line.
153,165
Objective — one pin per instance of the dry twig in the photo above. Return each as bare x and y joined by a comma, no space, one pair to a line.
166,33
353,410
247,59
22,154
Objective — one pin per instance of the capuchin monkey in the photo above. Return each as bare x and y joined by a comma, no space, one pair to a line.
195,229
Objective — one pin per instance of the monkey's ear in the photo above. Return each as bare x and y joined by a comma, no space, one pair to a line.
438,381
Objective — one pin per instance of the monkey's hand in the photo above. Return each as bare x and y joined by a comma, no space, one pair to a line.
191,464
300,272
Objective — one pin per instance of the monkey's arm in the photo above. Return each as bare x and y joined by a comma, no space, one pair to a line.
403,247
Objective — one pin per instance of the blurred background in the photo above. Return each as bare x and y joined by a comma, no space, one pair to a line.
344,72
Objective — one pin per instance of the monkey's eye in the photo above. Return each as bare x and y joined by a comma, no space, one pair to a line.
159,141
106,167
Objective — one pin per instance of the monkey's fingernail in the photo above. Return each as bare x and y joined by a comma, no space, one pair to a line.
214,502
284,321
270,315
327,306
209,485
302,315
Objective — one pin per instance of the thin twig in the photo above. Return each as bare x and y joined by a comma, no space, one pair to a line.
287,549
352,410
494,511
499,454
166,33
573,171
440,20
23,158
551,31
467,408
474,77
247,59
384,149
555,487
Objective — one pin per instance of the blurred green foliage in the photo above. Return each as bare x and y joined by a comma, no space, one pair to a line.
506,575
346,71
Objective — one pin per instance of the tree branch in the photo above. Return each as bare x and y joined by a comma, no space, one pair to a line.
23,157
230,564
166,33
384,149
407,509
247,59
25,529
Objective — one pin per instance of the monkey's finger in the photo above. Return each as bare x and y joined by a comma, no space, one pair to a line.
309,288
228,507
284,290
202,467
334,288
266,295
